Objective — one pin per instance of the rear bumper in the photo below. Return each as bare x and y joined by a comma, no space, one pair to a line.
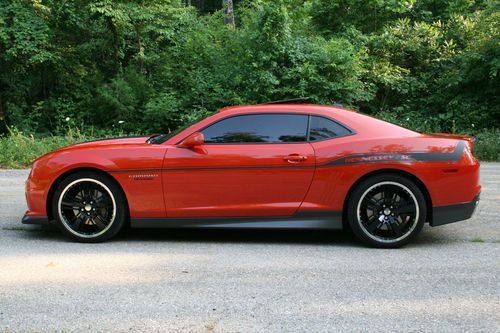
453,213
37,220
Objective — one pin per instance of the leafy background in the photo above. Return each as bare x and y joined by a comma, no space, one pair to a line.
73,70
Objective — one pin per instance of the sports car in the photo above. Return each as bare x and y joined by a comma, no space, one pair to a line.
268,166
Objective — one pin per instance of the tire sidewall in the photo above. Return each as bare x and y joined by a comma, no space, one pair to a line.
120,203
352,207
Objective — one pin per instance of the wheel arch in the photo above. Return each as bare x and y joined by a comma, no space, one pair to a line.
64,175
406,174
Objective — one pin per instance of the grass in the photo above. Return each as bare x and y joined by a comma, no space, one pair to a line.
18,150
480,240
477,240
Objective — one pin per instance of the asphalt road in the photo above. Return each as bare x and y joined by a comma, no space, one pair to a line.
227,281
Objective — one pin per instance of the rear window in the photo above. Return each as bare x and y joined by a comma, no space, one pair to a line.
323,129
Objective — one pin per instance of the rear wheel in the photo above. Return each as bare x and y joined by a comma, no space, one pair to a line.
89,207
386,210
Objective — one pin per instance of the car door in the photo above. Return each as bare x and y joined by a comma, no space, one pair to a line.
249,165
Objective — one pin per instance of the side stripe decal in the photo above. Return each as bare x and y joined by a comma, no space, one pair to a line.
345,160
397,157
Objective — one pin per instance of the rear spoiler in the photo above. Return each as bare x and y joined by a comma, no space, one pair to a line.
469,138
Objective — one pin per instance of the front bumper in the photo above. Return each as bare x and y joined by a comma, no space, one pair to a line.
453,213
37,220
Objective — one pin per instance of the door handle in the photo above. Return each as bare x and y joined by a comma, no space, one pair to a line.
295,158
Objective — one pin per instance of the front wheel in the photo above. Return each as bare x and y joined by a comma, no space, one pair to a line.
386,211
89,207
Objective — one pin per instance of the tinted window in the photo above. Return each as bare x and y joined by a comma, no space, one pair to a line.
258,128
324,129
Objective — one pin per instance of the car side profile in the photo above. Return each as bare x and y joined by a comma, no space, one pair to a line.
269,166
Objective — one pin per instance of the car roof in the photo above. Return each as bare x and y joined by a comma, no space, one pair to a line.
365,126
361,123
283,108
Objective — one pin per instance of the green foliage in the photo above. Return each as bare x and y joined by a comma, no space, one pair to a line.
487,145
154,65
19,150
368,16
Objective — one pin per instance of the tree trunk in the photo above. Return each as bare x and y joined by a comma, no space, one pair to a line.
116,47
228,6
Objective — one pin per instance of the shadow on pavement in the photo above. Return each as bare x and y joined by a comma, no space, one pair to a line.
310,237
319,237
240,236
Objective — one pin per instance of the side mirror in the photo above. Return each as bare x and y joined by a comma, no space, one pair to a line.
195,139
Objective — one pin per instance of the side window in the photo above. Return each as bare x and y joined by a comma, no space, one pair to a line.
258,128
324,129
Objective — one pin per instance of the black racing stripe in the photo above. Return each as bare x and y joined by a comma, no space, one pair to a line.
398,157
448,157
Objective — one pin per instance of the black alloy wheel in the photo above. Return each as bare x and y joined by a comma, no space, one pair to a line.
89,207
386,210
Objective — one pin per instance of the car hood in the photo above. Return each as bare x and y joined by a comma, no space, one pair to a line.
122,141
131,140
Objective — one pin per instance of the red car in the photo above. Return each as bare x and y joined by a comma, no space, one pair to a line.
268,166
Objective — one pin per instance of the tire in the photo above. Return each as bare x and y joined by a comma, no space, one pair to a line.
386,211
89,207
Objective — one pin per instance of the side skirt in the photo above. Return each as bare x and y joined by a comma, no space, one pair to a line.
329,220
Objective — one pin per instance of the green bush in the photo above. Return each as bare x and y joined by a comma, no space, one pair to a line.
487,145
19,150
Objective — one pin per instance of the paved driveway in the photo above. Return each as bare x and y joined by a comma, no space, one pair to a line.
227,281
